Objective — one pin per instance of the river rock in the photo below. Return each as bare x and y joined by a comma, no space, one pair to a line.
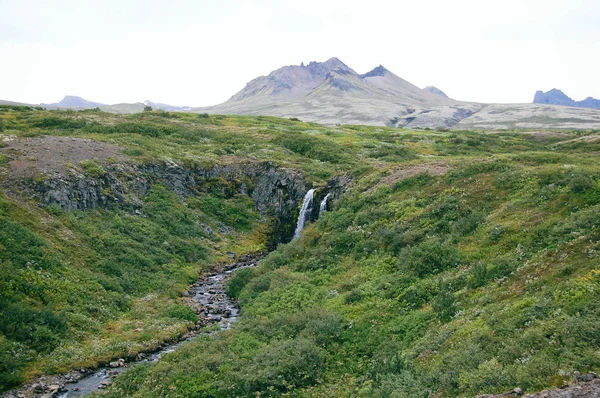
38,388
117,364
586,377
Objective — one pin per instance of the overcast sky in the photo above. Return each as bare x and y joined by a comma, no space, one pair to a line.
201,52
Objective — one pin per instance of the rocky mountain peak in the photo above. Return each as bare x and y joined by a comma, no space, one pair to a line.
557,97
378,71
436,91
72,101
323,68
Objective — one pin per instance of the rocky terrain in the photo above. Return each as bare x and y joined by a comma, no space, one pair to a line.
584,386
52,170
557,97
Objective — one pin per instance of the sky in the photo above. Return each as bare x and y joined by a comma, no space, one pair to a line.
201,52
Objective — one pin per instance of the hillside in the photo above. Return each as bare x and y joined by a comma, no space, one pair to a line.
445,263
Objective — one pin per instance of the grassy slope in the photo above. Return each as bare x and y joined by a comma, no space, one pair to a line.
78,288
479,280
476,280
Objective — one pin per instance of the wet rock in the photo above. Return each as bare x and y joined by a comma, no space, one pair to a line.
586,377
38,388
104,384
117,364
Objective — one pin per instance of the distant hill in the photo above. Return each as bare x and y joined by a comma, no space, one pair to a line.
166,107
557,97
74,102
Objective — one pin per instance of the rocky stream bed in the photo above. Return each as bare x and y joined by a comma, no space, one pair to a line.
208,299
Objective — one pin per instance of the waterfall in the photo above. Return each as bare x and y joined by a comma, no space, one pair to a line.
323,206
306,206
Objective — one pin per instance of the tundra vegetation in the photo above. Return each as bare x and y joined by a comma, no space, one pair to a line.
456,263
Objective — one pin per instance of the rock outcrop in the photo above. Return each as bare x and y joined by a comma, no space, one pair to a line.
587,386
557,97
436,91
276,191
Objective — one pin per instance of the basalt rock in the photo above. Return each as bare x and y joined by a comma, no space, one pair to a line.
275,191
335,188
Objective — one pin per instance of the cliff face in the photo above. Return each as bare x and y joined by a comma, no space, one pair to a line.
276,192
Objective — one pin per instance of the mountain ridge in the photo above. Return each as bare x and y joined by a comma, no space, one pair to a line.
331,92
557,97
80,103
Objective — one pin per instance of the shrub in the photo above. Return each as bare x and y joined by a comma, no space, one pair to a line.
92,168
56,122
352,297
430,257
444,304
281,366
238,281
181,312
479,276
313,147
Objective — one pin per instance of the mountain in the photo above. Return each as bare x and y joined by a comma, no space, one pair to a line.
557,97
166,107
74,102
435,91
331,92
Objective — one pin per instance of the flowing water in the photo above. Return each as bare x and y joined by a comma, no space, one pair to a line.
209,294
323,205
306,208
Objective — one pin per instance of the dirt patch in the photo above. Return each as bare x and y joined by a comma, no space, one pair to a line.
51,154
403,172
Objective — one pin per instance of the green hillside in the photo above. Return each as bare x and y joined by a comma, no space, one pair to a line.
455,263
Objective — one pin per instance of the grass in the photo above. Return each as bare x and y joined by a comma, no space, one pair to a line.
476,279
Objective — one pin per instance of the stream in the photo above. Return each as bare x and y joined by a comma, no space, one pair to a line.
207,296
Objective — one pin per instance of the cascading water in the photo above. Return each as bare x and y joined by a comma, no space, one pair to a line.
306,206
323,206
